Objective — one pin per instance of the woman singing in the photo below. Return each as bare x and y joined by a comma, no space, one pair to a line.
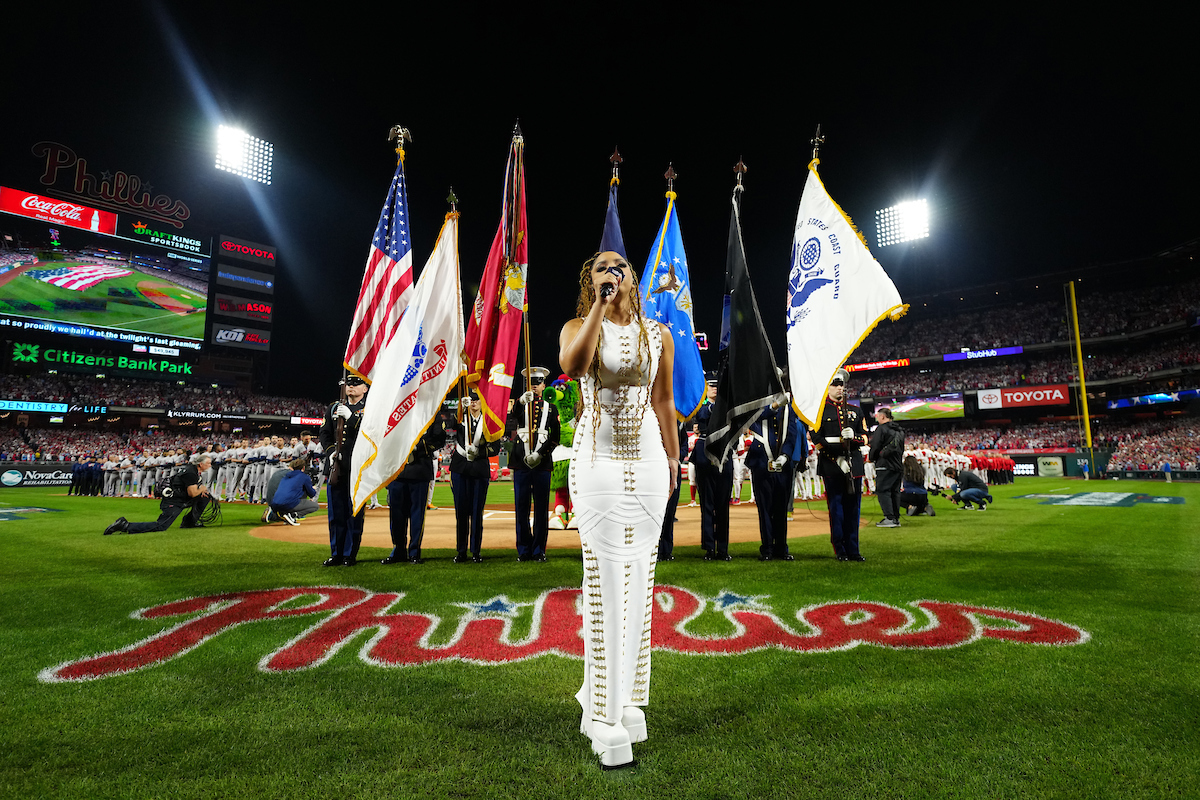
625,466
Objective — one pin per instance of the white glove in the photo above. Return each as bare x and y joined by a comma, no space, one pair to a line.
780,461
526,398
847,433
342,410
472,452
532,460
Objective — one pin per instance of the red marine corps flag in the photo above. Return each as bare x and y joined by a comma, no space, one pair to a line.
387,281
494,329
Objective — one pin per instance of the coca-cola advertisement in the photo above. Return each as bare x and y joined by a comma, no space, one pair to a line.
60,212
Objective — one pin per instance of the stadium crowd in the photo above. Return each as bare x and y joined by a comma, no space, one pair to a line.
123,392
1104,313
1136,363
1148,445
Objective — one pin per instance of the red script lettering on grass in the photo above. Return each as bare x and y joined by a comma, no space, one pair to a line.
483,632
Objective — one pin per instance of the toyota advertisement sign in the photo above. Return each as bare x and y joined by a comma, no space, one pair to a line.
1017,396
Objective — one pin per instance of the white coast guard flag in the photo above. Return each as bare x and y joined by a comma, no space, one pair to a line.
837,293
415,372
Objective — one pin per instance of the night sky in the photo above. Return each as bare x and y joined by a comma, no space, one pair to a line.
1039,147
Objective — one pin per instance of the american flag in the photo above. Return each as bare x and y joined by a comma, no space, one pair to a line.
387,283
79,277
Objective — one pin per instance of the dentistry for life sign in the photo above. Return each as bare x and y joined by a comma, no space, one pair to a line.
1013,397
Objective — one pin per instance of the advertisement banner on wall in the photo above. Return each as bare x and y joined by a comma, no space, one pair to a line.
21,474
27,355
248,338
1050,466
887,364
1017,396
254,252
240,278
59,212
243,307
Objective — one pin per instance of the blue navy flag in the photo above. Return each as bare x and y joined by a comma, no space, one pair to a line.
667,297
612,239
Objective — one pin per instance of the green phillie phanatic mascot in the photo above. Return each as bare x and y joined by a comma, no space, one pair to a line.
564,394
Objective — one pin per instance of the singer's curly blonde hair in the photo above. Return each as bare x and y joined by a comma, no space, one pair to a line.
587,298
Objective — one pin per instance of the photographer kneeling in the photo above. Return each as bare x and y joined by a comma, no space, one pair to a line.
295,495
183,492
968,488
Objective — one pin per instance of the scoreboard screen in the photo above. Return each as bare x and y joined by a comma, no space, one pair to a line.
948,405
83,273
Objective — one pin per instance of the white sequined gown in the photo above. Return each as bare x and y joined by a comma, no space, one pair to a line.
620,486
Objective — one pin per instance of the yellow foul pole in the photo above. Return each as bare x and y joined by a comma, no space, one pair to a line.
1087,420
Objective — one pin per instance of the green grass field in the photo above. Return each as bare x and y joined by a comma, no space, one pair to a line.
931,410
144,317
1116,715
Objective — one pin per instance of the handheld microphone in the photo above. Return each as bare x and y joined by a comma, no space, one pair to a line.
606,290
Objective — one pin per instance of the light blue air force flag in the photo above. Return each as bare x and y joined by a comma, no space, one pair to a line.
667,297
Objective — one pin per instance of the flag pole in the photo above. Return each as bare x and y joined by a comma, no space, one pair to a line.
670,176
816,143
511,245
398,134
616,160
462,382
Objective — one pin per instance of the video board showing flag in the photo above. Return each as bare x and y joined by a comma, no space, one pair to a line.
89,274
948,405
78,277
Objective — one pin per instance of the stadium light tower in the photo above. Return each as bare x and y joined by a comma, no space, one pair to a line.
242,154
902,222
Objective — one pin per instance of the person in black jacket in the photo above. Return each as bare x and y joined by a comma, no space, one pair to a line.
969,488
470,476
345,527
666,540
839,440
185,492
407,496
715,485
887,454
534,428
772,465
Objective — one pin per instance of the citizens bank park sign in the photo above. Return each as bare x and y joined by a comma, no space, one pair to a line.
482,634
1012,397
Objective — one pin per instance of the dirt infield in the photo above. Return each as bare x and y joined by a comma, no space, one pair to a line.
150,290
499,530
13,273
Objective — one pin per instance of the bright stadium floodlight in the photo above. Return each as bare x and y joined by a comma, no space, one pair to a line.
902,222
242,154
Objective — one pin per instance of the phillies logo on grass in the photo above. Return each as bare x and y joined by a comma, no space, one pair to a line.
483,632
